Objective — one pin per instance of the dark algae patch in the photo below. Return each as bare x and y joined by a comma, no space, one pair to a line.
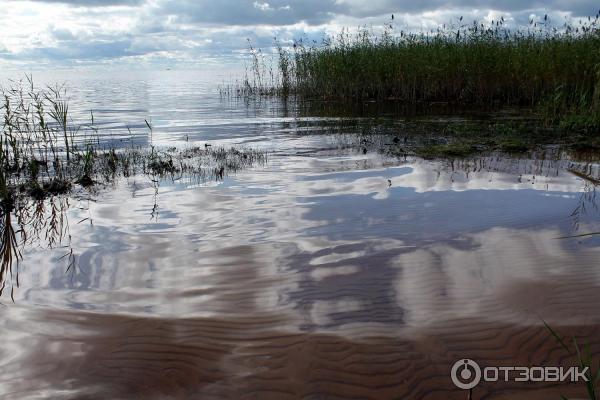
457,150
451,137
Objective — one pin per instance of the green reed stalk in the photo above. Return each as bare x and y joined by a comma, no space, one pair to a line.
553,70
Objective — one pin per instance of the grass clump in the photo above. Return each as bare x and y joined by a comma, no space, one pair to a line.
44,153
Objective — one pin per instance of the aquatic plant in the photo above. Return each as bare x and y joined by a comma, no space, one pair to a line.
30,222
554,70
9,249
43,152
584,359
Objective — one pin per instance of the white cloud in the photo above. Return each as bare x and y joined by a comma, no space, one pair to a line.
87,31
262,6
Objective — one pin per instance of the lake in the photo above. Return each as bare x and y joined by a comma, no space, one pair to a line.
326,272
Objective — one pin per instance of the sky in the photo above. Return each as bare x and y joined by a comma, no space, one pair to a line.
44,34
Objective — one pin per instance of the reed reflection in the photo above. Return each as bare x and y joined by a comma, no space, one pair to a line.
30,224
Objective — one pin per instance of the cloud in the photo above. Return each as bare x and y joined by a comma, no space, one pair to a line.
234,12
76,31
96,50
62,34
88,3
362,8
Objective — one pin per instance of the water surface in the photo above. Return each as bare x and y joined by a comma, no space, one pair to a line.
326,273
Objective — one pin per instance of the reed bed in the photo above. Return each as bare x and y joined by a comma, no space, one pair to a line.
554,71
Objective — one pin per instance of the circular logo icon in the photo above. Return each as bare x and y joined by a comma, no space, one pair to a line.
465,374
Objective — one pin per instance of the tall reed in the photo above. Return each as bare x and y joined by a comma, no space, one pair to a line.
555,70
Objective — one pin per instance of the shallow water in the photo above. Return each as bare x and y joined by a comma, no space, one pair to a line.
326,273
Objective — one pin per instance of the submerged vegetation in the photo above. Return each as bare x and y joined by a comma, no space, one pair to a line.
454,137
552,71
